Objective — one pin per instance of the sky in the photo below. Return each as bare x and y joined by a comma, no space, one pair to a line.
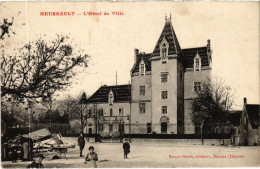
232,27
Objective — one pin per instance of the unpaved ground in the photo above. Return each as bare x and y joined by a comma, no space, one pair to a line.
153,155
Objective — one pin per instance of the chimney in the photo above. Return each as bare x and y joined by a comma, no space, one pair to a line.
245,101
209,53
136,53
208,45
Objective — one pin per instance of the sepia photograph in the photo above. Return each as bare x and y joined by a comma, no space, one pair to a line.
153,84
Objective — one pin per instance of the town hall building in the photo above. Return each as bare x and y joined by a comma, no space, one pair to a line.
158,100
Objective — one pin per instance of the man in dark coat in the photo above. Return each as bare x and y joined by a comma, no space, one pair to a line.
81,143
126,147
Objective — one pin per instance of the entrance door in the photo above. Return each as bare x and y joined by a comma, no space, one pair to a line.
164,127
89,130
121,128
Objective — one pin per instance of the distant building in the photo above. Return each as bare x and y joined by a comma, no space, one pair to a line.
111,106
250,124
163,84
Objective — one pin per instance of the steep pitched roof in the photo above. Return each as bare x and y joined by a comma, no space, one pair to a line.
146,59
253,111
190,53
234,117
170,36
121,93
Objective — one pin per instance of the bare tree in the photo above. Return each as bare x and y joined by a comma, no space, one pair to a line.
40,68
74,108
69,105
212,103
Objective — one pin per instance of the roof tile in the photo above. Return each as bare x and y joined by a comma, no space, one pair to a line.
121,93
253,111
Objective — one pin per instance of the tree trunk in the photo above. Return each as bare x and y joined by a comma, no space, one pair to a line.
201,132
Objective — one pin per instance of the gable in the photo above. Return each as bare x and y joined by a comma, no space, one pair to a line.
169,35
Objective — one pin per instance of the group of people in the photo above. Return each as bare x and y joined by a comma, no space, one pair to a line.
92,157
22,148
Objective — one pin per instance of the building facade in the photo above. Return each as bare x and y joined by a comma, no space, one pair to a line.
163,84
250,125
109,111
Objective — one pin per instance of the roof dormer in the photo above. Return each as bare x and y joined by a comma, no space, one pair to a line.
110,97
164,47
142,67
197,62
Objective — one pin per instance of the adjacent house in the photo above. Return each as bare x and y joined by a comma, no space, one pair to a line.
110,106
250,124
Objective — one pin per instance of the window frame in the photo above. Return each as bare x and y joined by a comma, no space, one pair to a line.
142,90
196,87
164,77
149,127
110,128
121,111
142,69
111,112
197,62
164,51
164,109
164,94
142,108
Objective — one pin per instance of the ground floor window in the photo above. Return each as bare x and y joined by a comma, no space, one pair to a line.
121,128
110,128
149,128
100,127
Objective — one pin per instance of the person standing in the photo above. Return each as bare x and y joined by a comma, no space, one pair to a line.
81,143
91,158
126,147
14,152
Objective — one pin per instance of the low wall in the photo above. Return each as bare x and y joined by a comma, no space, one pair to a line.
182,141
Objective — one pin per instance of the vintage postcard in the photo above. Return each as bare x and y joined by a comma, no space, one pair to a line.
129,84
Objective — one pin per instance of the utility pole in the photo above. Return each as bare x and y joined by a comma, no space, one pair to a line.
83,100
116,77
